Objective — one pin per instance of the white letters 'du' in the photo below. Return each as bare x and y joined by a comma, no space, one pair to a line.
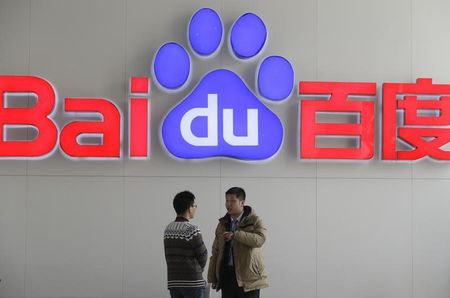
211,114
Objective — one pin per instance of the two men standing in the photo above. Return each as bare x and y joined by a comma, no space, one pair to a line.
235,266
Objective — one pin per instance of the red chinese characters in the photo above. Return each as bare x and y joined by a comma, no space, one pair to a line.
423,124
338,103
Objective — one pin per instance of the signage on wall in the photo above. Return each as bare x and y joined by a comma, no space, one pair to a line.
222,116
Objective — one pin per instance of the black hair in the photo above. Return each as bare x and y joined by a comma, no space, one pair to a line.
183,201
238,192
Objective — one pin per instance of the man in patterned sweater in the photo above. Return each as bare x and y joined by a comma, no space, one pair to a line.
186,254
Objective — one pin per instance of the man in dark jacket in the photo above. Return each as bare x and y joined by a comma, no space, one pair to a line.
186,254
236,266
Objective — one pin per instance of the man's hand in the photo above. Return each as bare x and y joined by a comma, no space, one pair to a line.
213,286
228,236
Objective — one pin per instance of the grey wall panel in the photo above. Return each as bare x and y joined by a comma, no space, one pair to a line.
75,237
364,238
364,40
13,234
431,239
429,43
14,37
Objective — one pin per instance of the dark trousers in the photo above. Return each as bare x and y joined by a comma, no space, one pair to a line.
230,288
187,293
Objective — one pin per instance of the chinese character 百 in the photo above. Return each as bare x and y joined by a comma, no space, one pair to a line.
337,103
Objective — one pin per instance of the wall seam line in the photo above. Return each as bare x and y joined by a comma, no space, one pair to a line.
316,8
125,7
412,165
244,177
27,194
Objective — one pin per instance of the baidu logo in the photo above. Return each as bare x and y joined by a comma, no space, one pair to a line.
222,117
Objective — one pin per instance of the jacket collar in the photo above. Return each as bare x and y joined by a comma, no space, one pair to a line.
226,219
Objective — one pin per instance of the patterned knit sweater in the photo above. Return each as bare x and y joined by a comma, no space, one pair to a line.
186,255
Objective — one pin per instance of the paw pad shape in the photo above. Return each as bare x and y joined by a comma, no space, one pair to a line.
222,116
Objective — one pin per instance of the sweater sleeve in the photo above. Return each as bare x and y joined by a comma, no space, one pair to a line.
200,251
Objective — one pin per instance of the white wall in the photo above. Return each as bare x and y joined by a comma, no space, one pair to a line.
336,229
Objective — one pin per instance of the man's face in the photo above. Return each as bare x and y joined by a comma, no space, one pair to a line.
234,205
192,210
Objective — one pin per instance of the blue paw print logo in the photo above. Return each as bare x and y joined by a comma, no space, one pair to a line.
222,116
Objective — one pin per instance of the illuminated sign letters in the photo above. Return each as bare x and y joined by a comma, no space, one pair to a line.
39,116
221,116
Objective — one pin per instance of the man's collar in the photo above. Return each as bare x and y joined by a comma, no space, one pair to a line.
239,217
